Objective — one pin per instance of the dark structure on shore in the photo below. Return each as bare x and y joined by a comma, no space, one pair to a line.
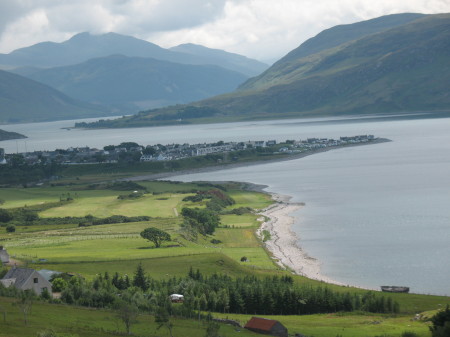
394,289
266,327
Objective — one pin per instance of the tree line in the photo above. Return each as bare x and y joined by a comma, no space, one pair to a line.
220,293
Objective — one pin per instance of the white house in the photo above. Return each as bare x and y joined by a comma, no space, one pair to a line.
4,256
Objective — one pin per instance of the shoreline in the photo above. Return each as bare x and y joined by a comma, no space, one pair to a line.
284,242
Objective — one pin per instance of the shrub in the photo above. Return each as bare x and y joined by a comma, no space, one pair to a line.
10,228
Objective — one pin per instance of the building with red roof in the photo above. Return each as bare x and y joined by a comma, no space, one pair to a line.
266,327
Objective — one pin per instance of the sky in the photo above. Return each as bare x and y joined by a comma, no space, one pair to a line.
262,29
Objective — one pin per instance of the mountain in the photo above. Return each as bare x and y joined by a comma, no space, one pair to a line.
226,60
85,46
25,100
326,40
130,84
392,64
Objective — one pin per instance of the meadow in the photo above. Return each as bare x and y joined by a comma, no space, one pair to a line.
94,250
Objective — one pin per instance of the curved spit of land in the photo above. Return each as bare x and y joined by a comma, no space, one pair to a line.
283,243
289,156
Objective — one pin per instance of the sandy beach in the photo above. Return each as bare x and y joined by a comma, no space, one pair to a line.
283,243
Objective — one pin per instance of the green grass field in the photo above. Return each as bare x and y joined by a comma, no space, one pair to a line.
118,247
69,321
160,205
87,322
346,325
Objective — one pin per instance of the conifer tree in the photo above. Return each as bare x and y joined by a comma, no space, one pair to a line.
139,279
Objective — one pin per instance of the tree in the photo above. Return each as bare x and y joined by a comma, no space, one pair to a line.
155,235
139,279
5,215
25,303
163,319
59,284
441,323
212,329
45,294
128,313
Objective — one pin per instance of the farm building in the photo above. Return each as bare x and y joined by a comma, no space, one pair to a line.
25,279
4,256
266,327
176,298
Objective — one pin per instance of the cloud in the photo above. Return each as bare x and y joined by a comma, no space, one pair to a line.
265,29
262,29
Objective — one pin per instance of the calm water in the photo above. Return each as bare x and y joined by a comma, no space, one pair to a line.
374,215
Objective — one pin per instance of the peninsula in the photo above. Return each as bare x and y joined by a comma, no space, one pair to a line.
133,161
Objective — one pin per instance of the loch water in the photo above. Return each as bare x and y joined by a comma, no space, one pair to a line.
374,215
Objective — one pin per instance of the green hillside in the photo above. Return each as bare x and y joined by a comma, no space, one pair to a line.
379,66
24,100
290,65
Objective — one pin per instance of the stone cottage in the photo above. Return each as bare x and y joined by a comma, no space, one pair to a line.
26,279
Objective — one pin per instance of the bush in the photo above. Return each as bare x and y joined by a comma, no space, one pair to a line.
441,323
409,334
5,215
10,228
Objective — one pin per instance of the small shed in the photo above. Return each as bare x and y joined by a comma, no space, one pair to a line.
176,298
267,327
4,256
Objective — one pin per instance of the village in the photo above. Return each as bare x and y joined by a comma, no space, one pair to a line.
132,152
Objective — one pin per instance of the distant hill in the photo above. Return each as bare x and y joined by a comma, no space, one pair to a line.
7,135
25,100
236,62
130,84
393,64
84,46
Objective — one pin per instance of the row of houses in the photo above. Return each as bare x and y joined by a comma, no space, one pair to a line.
132,152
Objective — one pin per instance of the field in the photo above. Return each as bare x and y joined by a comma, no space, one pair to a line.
84,246
85,322
92,250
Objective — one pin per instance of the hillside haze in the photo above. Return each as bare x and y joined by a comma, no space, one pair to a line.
25,100
236,62
134,83
392,64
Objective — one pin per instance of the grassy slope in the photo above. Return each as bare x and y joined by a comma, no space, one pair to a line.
87,322
118,247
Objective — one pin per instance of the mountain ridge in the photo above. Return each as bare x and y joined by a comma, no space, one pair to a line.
84,46
402,69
